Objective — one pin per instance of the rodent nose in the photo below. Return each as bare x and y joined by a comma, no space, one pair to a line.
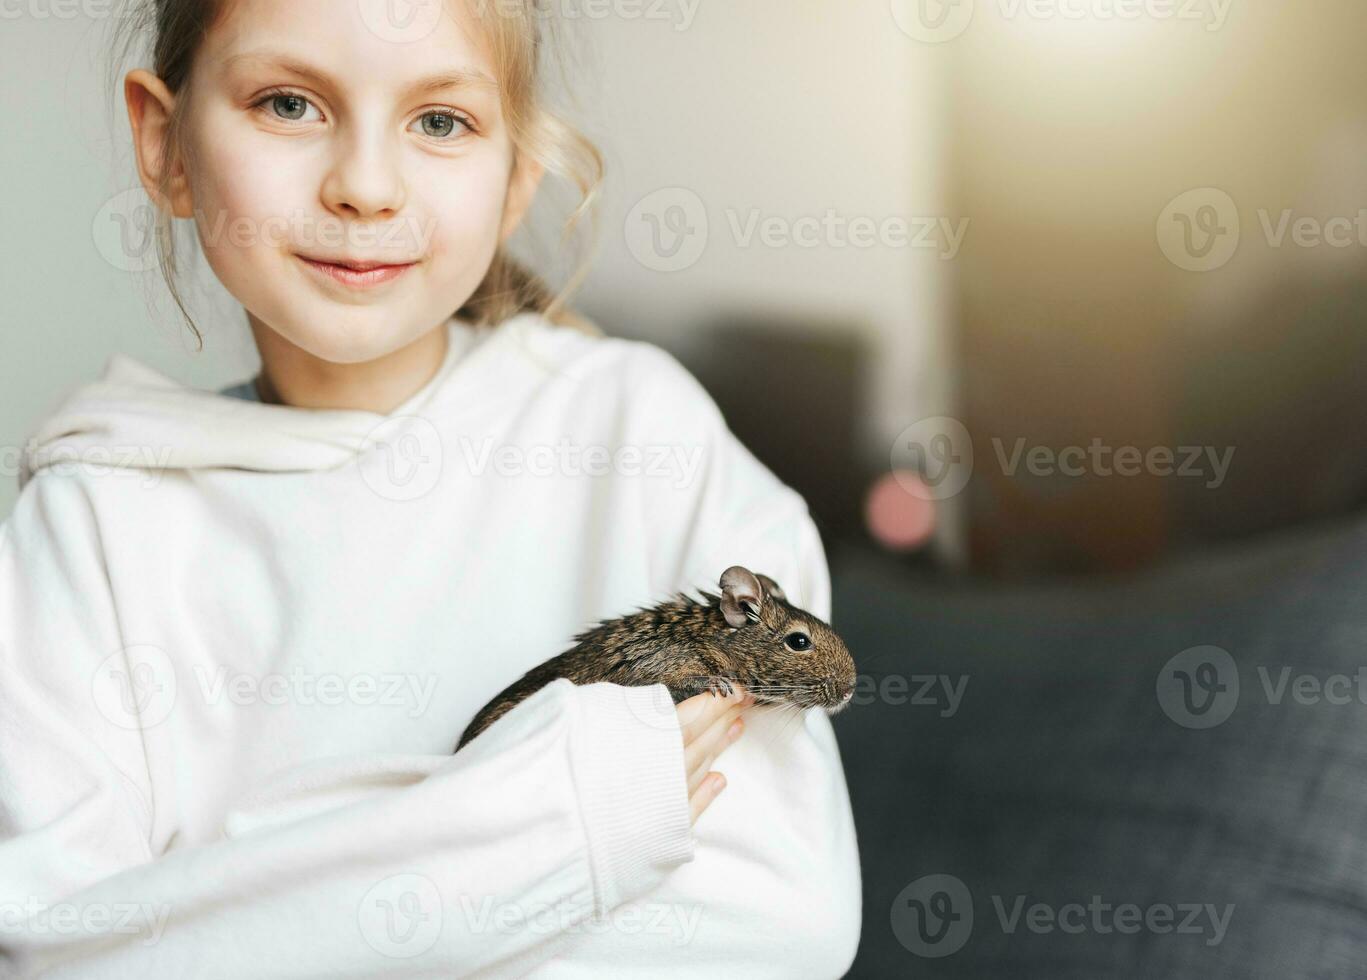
848,692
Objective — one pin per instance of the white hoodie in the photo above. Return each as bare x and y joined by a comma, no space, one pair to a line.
238,642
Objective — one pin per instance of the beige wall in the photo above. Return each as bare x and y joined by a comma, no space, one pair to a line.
1071,141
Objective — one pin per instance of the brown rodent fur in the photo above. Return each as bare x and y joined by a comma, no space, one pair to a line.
750,635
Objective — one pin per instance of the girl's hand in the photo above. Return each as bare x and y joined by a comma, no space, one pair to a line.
709,723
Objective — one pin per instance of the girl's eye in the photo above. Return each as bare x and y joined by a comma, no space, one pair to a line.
440,125
797,641
286,106
290,107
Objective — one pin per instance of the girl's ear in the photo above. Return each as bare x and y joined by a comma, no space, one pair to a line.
150,104
526,178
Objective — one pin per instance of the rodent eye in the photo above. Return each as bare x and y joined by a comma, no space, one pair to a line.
797,641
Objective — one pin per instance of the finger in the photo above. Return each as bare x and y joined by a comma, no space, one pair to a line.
733,732
698,713
697,751
707,792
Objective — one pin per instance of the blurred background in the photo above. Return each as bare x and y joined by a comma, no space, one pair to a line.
924,221
1052,310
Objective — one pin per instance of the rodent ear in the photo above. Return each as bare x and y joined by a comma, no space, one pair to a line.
771,587
741,595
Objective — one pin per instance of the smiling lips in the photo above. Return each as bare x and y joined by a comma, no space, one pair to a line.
355,273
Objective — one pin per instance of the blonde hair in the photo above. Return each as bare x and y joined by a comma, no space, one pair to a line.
518,43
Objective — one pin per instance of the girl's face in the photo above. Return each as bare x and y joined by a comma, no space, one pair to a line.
350,131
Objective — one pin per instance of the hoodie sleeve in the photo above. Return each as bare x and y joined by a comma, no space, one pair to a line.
786,809
408,880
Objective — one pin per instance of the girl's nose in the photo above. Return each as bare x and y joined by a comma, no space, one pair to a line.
366,179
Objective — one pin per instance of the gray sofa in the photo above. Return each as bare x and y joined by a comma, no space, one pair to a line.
1113,796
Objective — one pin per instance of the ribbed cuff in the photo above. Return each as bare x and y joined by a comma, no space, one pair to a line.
628,760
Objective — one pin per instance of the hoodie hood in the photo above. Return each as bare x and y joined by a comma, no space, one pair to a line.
137,418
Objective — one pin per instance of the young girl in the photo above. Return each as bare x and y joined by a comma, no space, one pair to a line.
240,632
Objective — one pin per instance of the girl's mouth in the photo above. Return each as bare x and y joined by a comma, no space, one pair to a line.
358,275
